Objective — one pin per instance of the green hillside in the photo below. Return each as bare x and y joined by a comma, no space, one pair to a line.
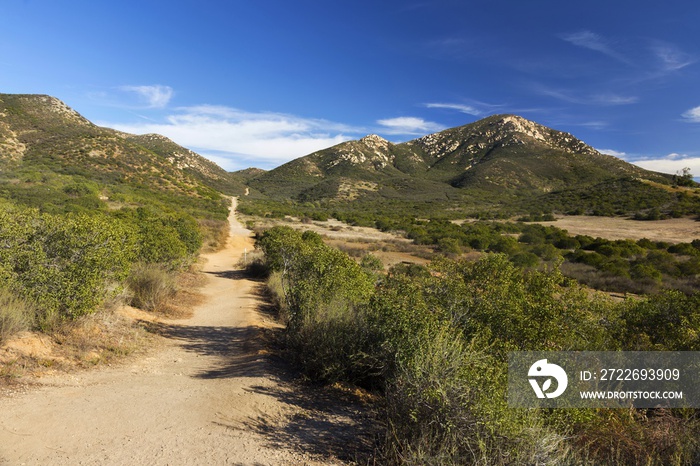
504,164
54,159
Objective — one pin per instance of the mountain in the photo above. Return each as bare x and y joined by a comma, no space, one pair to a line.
502,159
50,155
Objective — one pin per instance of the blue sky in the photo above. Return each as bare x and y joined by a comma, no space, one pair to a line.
259,82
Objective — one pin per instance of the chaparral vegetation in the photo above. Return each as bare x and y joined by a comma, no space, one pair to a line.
433,341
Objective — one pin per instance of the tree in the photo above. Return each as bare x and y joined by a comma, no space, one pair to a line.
684,177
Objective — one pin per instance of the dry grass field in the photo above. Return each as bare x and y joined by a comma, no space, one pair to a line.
390,248
675,230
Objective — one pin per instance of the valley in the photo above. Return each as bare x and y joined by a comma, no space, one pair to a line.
353,305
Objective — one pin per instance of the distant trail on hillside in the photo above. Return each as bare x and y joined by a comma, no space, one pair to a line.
211,395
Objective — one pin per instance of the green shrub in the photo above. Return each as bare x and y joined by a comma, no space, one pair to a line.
435,340
669,321
163,238
67,264
371,263
525,259
446,406
449,246
643,269
274,287
151,286
322,290
16,314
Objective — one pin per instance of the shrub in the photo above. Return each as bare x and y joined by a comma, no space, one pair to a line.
434,340
322,290
449,246
371,263
254,265
214,234
67,264
446,406
274,286
16,314
684,249
504,244
525,259
567,243
639,437
642,269
151,286
668,321
546,252
163,238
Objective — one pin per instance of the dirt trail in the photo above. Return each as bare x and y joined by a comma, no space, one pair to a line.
209,396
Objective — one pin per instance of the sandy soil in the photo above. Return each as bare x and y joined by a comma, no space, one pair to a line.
210,395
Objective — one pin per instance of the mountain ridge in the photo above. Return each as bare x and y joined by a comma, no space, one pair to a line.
499,162
503,155
47,147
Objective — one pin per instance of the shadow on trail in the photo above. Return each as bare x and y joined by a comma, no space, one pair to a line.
236,355
326,422
238,351
231,274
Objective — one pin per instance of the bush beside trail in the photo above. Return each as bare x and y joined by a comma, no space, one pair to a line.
434,342
63,266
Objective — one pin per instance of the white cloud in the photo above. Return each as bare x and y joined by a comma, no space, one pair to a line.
614,99
155,96
237,139
468,109
592,41
408,125
612,152
595,124
692,115
672,164
671,58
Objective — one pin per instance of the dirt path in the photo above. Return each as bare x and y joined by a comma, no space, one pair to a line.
211,395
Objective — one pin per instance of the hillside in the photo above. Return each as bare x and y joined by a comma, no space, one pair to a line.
502,160
51,156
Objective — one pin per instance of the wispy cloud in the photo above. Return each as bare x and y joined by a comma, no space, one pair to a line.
613,99
593,124
153,96
592,41
692,115
468,109
558,94
615,153
408,126
671,57
237,139
459,107
575,97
